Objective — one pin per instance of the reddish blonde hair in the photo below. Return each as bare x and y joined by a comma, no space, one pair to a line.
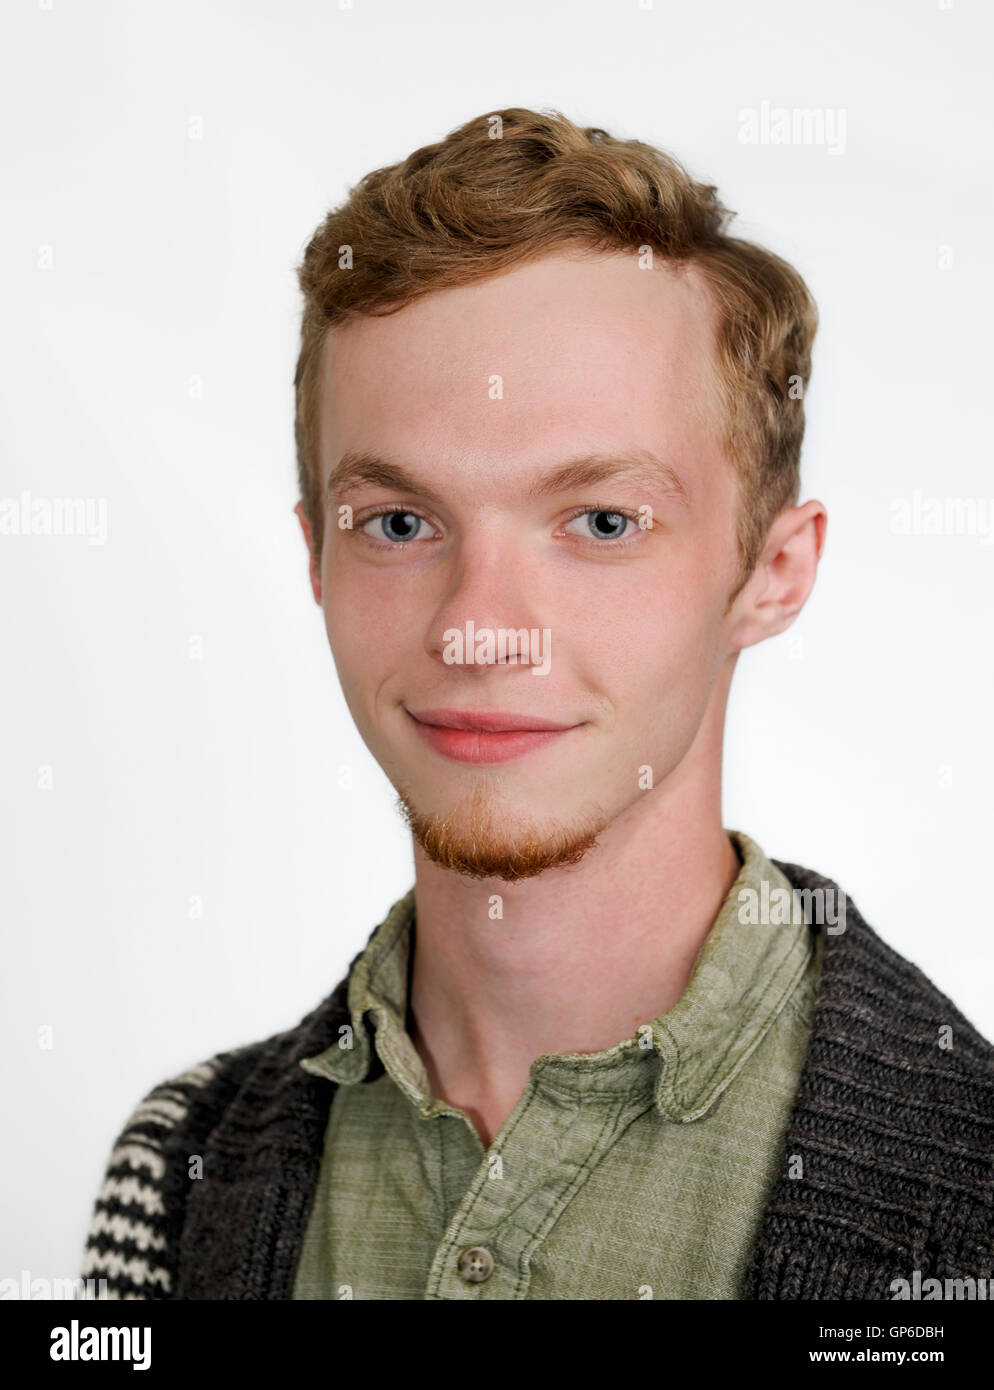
519,184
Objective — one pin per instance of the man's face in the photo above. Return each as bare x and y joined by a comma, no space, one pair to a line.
482,394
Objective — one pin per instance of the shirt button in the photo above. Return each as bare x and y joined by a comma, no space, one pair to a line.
476,1264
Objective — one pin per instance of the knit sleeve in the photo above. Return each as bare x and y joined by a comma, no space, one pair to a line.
132,1250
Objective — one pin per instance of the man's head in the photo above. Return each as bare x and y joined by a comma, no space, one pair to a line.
539,388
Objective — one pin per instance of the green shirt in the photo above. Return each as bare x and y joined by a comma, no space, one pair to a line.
636,1172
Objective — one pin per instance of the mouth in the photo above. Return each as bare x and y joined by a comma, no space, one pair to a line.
485,737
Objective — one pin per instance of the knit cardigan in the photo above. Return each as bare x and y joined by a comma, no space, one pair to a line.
885,1169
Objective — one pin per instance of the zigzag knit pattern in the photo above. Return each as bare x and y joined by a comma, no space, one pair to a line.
137,1216
885,1168
136,1232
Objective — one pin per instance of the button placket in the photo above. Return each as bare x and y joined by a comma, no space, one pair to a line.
484,1206
508,1218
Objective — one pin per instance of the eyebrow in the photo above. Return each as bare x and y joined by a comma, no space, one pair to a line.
637,467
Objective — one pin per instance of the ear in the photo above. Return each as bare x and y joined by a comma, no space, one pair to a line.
315,560
784,575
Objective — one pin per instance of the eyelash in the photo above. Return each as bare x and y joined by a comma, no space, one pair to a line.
611,511
588,510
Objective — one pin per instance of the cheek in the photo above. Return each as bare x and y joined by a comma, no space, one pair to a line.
357,645
361,616
373,637
660,658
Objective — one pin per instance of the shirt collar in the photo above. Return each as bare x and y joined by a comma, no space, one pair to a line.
741,980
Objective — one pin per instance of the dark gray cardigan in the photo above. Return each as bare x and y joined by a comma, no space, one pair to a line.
895,1134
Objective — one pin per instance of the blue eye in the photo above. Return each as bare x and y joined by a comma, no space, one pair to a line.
602,525
396,526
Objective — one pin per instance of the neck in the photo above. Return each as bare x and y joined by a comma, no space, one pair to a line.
581,955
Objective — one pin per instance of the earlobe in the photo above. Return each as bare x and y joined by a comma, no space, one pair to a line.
788,568
794,567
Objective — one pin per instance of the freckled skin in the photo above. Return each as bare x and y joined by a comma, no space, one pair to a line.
593,355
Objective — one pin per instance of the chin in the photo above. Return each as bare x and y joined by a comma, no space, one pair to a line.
487,834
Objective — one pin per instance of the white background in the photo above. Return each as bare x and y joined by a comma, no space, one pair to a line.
863,751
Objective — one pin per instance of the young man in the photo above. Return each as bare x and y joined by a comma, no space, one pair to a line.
549,418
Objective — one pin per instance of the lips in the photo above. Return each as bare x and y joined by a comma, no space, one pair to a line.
491,737
486,723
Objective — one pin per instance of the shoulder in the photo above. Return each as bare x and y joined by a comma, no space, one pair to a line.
892,1131
138,1217
882,1007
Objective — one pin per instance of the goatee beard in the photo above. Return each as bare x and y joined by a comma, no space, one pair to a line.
470,841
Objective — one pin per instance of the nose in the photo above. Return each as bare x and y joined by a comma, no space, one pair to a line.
491,606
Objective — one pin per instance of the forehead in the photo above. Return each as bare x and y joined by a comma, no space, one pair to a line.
567,353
